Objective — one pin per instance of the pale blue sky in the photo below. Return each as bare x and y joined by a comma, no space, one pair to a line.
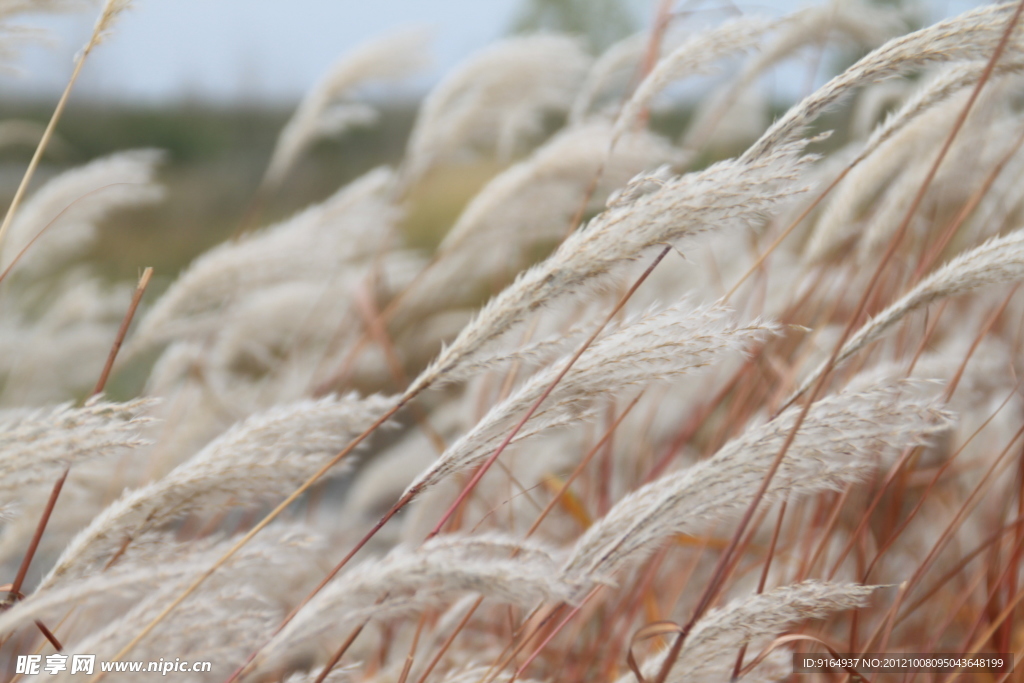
270,50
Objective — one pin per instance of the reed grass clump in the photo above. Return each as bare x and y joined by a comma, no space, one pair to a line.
642,413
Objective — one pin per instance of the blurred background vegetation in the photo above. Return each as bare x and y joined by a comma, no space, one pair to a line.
215,158
216,154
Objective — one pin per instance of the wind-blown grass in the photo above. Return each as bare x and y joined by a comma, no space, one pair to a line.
557,389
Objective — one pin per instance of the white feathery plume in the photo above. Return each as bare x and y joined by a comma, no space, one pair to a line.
13,35
695,56
117,585
36,446
999,208
229,616
978,147
112,10
266,456
655,347
59,354
414,579
874,170
948,82
355,222
618,62
541,352
710,650
220,628
533,203
323,113
889,152
970,36
74,202
569,162
496,99
727,195
838,442
1000,260
866,24
142,568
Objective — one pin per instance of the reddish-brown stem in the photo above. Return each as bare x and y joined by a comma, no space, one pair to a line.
330,575
48,634
991,597
762,581
58,486
533,528
896,468
262,524
35,238
33,545
511,652
122,331
932,254
1017,524
450,639
44,519
375,324
547,392
362,542
581,466
339,653
890,619
716,583
923,189
407,667
554,632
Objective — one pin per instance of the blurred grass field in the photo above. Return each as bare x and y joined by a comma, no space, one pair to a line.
215,158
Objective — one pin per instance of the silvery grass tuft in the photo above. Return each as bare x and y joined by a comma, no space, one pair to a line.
640,386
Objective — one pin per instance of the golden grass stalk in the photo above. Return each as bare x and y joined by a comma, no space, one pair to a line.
101,30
